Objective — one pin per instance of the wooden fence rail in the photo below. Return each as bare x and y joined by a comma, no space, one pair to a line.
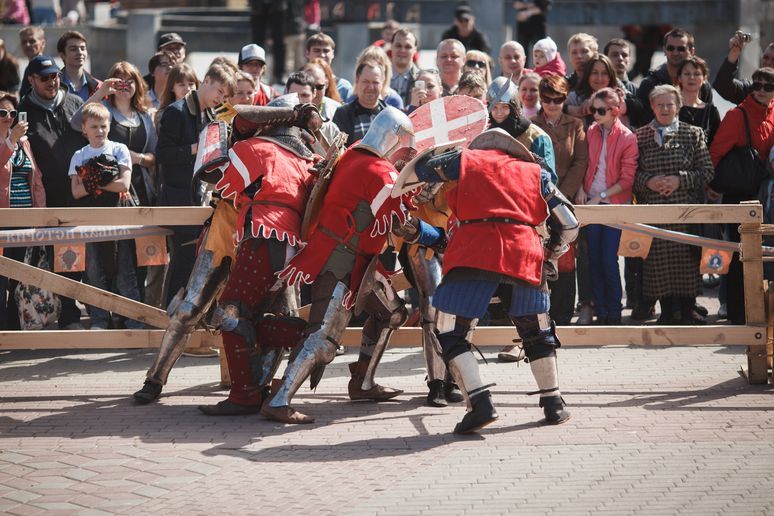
756,334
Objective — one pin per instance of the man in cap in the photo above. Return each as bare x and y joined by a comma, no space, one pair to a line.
53,141
252,60
173,43
464,30
341,261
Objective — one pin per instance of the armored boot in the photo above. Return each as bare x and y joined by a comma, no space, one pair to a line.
545,372
481,412
185,311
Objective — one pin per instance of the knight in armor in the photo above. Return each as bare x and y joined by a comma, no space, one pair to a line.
217,249
341,262
502,197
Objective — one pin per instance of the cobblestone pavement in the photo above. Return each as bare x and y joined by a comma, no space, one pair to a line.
654,431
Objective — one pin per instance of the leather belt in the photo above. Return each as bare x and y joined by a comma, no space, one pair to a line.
504,220
327,232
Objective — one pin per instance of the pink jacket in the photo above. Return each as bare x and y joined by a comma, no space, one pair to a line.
621,159
36,182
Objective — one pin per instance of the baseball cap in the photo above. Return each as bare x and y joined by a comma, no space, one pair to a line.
43,65
463,11
252,52
170,38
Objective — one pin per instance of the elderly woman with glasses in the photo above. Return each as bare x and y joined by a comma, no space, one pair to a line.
477,61
674,168
571,154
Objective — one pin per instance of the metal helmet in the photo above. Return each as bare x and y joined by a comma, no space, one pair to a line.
390,132
502,90
288,100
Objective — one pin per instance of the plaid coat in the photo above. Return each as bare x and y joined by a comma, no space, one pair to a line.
672,269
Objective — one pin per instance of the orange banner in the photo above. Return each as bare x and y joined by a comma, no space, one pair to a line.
634,245
151,250
70,258
714,261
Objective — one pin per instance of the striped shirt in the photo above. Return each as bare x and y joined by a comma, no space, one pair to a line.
21,170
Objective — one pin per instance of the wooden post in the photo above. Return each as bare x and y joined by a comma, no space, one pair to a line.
755,312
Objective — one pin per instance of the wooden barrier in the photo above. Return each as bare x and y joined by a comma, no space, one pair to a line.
755,334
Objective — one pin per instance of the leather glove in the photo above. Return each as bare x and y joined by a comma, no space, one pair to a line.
307,116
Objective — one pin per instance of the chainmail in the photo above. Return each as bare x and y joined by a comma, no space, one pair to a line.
290,142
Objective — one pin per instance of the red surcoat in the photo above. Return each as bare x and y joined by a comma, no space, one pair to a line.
493,184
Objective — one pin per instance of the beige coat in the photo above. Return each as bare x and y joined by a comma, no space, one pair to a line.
570,151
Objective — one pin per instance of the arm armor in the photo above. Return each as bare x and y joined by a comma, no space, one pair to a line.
440,168
562,223
416,231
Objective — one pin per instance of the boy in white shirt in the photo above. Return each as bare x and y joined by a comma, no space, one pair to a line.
100,174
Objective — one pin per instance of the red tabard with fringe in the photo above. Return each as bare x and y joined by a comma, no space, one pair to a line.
359,177
278,206
494,184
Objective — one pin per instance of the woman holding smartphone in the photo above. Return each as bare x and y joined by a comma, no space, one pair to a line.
427,88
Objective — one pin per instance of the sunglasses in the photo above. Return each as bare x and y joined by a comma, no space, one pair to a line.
48,78
672,48
765,86
4,113
475,64
601,111
319,87
553,100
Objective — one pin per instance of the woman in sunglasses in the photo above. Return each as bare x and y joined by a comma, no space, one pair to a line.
759,110
478,62
20,187
609,177
674,168
571,153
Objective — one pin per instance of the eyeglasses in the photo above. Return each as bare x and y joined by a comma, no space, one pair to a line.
475,64
601,111
765,86
553,100
672,48
319,87
4,113
48,78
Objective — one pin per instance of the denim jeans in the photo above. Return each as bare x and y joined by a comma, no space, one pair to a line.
603,264
100,271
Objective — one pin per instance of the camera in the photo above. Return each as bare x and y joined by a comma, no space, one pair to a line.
744,37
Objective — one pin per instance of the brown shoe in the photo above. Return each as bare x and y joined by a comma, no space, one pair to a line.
375,393
511,354
286,414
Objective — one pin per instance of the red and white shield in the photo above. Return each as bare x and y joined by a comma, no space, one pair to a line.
447,119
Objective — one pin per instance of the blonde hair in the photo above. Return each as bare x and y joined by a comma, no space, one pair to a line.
584,38
477,55
94,110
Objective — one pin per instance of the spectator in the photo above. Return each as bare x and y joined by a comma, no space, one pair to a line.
464,30
547,59
324,87
431,90
322,46
671,270
609,177
302,84
528,93
9,70
619,53
32,41
450,58
691,74
678,46
758,106
245,90
472,85
158,71
377,55
21,186
388,33
269,16
581,47
49,110
45,12
726,82
571,153
512,60
252,60
174,44
16,13
355,118
181,123
73,50
478,62
181,81
103,257
295,35
531,21
403,49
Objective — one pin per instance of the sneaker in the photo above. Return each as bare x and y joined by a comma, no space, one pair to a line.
586,315
512,353
340,350
96,327
723,311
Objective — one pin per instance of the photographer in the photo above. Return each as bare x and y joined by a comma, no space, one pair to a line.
726,82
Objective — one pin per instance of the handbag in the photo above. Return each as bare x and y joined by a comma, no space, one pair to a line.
740,172
37,307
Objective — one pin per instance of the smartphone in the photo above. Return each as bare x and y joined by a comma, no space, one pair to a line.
22,116
420,85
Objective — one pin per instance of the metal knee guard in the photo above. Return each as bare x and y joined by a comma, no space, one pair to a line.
319,348
538,335
427,275
389,312
186,310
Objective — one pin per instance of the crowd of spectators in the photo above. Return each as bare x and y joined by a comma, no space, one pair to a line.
605,139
